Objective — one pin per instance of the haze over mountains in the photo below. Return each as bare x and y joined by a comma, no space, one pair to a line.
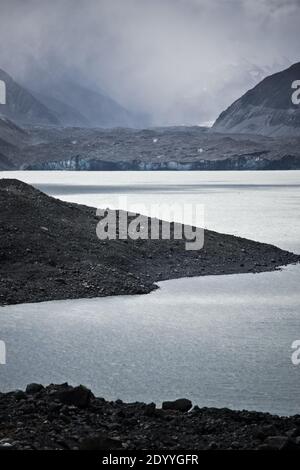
65,128
61,103
22,107
79,101
181,62
74,104
12,140
265,109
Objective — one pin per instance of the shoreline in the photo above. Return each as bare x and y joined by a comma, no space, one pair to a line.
62,417
155,287
50,251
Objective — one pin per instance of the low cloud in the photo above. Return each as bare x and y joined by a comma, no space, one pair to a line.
180,61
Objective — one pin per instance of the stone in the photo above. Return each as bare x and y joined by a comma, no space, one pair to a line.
20,395
33,388
150,409
78,396
99,442
213,446
181,404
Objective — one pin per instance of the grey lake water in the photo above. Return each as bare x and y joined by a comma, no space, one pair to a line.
218,340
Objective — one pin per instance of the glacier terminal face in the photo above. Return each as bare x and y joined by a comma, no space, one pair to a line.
248,162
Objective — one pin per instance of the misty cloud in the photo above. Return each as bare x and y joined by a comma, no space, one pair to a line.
180,61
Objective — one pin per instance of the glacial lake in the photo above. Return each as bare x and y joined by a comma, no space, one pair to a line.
218,340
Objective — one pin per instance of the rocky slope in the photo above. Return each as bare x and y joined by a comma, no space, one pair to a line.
22,107
61,103
67,115
77,105
61,417
12,140
13,134
265,109
172,148
5,163
49,250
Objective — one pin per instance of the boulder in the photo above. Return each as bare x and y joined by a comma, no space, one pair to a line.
100,442
78,396
33,388
150,409
182,404
20,395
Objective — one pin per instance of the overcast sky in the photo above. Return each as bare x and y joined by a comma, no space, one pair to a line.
180,61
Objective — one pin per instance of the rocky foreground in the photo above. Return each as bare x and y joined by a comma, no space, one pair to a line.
49,250
65,417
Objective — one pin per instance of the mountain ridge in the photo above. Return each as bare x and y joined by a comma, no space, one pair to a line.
266,109
22,107
61,102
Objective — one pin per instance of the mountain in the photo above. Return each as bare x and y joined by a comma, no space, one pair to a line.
266,109
67,115
12,133
22,107
12,140
77,105
61,103
199,103
5,163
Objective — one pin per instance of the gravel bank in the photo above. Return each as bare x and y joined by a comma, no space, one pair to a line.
63,417
49,251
